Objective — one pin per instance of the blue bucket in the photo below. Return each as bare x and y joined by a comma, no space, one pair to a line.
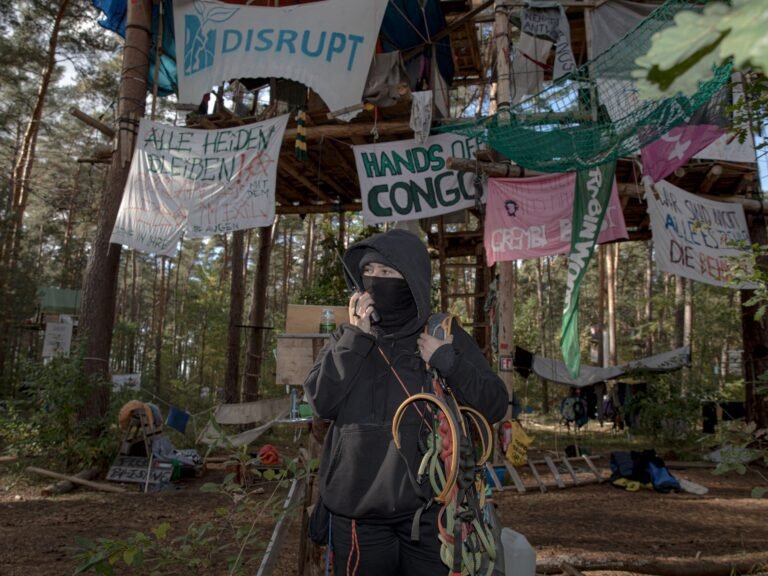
177,419
499,471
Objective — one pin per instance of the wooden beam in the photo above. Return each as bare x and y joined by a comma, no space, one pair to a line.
492,169
320,208
108,131
75,480
751,205
287,168
340,131
712,176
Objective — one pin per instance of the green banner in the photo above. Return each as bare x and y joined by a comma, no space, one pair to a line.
593,191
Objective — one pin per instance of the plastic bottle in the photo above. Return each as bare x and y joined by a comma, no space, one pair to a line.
327,321
519,555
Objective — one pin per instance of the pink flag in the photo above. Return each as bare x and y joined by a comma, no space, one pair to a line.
531,217
661,157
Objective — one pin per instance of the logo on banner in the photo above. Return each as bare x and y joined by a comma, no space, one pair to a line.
199,43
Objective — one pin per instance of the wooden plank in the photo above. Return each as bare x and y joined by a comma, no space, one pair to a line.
535,473
554,471
515,477
592,467
75,480
571,471
295,358
7,459
64,486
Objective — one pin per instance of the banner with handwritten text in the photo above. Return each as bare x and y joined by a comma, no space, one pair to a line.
692,235
531,217
406,180
203,182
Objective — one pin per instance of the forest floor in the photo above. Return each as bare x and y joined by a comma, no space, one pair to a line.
592,524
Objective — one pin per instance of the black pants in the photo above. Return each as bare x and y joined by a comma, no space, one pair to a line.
387,549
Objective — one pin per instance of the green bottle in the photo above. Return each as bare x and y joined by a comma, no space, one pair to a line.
327,321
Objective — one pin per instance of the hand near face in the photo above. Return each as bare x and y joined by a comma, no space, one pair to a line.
360,306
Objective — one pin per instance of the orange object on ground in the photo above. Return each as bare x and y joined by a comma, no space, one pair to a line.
269,455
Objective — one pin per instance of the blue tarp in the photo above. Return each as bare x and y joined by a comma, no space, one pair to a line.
404,27
114,20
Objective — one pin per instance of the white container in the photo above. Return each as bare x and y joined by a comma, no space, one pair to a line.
519,555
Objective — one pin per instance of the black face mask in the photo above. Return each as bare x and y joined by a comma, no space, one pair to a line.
392,299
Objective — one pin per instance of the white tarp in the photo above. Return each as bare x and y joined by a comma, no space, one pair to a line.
613,20
691,234
326,45
555,370
203,181
664,362
405,180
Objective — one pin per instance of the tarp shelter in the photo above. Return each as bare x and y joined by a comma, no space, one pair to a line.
59,301
555,370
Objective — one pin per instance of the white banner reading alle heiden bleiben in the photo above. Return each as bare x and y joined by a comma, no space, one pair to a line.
203,182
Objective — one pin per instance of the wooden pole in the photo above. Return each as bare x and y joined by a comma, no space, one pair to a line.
108,131
75,480
505,269
64,486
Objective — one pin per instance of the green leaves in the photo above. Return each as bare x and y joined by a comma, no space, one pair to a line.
685,54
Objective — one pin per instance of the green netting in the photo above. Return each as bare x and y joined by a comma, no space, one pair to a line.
593,114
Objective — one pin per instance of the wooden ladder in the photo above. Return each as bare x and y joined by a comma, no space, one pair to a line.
558,480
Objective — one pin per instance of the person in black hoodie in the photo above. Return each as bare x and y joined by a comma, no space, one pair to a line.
379,523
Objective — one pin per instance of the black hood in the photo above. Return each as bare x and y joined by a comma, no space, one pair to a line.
406,253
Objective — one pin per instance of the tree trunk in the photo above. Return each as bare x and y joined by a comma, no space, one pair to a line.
679,311
649,297
22,170
755,339
306,276
20,186
610,281
236,295
254,355
99,289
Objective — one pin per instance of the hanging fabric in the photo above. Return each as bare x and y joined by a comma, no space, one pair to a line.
421,115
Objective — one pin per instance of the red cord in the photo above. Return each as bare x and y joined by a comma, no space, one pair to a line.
354,548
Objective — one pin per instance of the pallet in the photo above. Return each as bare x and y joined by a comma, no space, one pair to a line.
552,470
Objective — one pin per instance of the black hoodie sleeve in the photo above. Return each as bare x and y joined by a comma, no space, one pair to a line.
336,368
472,380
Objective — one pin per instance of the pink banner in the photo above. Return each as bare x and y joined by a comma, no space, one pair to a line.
676,147
531,217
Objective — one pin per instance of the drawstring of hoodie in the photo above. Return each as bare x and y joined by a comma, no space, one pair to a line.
353,549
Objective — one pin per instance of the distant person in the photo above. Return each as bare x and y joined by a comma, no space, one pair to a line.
358,381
